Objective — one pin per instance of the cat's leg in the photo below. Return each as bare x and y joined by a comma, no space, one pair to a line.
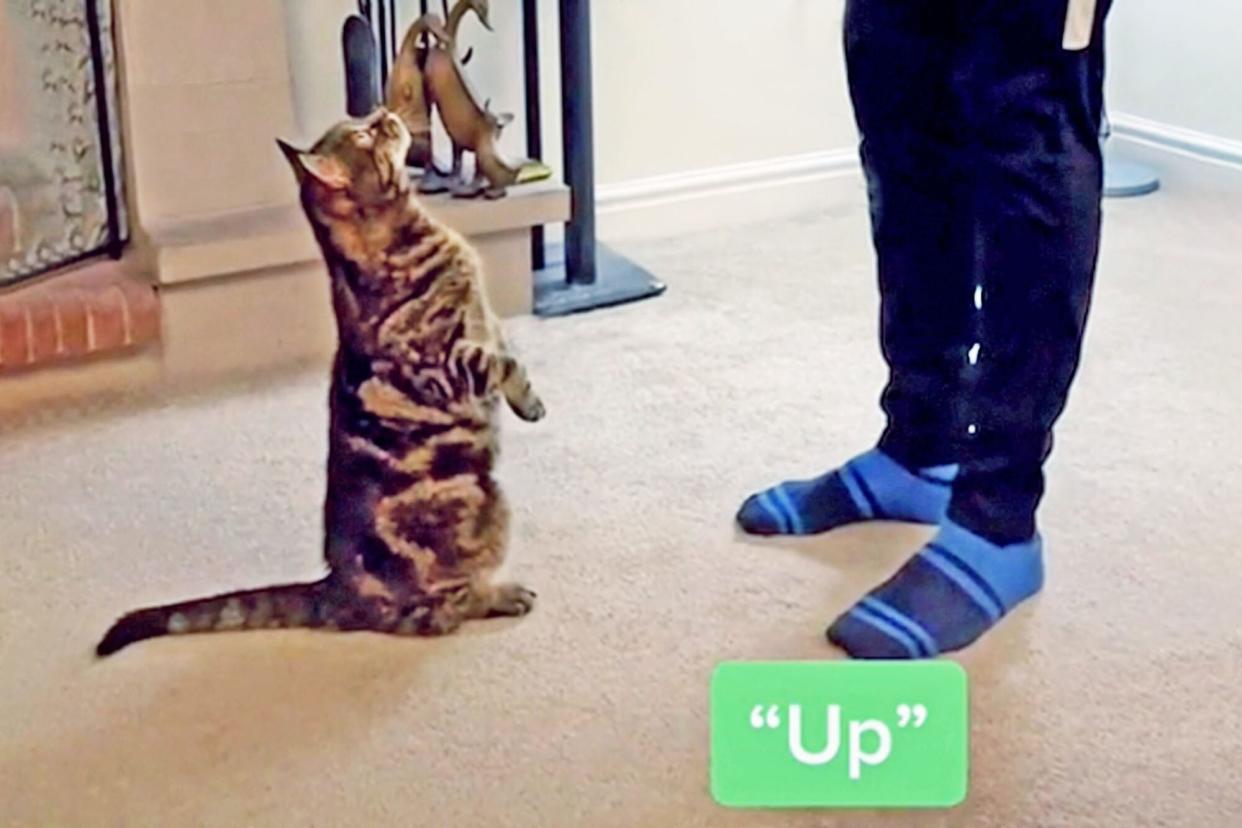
436,615
519,392
485,599
486,370
478,600
430,619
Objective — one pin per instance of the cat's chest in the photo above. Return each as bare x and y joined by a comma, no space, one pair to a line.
420,332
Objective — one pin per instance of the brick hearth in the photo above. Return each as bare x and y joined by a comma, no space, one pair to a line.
92,311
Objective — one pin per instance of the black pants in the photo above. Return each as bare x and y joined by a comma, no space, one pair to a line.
981,151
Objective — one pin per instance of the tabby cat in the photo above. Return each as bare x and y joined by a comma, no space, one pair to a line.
415,523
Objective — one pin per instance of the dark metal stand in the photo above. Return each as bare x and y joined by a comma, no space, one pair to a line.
1123,177
534,111
588,275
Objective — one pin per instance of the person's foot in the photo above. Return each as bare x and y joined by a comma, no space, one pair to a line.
953,591
872,486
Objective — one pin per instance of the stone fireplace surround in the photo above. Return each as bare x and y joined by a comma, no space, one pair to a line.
206,88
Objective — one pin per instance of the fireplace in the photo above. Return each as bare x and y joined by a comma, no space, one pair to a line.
60,198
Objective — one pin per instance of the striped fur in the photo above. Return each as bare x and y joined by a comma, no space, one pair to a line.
415,522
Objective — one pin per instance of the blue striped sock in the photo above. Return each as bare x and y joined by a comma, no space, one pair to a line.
872,486
953,591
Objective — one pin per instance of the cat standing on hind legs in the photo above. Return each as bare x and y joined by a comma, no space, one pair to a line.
415,523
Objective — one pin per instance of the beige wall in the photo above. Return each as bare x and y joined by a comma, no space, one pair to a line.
712,88
313,34
687,84
1178,63
680,85
198,108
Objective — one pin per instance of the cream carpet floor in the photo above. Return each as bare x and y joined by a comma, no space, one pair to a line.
1115,699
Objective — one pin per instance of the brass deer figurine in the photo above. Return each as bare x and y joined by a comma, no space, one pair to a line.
406,93
427,74
406,97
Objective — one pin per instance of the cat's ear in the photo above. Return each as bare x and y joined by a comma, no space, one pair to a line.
326,170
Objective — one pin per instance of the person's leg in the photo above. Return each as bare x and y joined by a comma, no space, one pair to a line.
1037,207
899,55
1030,114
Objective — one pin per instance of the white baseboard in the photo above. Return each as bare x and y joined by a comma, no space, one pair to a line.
781,187
1185,142
740,193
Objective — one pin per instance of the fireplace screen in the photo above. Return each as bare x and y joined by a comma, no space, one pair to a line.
59,150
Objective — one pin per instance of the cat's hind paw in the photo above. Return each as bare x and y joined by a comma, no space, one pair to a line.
509,600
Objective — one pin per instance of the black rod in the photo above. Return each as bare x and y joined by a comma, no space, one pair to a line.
534,110
362,92
105,129
382,39
578,139
392,30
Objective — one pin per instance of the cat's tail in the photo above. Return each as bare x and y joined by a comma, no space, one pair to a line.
288,606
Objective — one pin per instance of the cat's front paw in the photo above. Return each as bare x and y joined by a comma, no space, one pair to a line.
530,409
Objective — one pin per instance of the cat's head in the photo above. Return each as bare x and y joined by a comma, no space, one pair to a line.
356,164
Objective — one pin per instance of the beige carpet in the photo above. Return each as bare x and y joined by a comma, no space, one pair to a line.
1114,700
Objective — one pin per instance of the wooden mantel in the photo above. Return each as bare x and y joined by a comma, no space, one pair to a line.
249,240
